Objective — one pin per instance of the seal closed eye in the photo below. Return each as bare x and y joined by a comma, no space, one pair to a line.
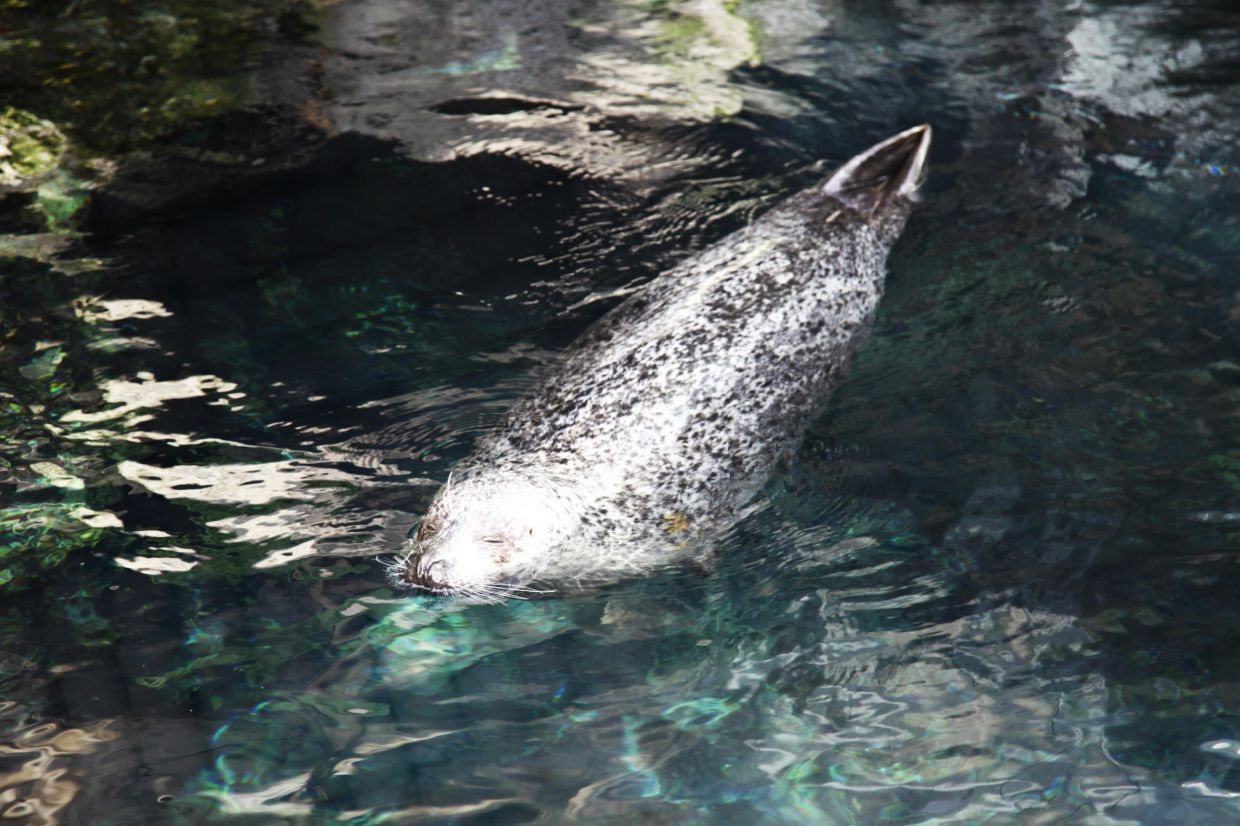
669,413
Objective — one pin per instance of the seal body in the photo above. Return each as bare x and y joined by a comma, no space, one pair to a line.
667,416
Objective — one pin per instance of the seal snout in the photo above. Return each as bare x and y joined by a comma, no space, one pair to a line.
452,565
436,574
430,574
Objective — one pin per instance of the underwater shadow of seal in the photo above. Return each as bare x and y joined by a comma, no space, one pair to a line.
665,418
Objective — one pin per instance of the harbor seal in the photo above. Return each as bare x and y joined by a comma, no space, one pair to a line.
666,417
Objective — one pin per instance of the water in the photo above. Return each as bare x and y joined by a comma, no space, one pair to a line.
997,584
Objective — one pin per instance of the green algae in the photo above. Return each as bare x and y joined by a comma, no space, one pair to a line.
30,148
35,158
681,33
88,83
116,76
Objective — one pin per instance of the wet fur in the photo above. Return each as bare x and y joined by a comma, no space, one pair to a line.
667,416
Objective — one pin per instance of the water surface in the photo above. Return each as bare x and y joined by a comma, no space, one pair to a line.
257,298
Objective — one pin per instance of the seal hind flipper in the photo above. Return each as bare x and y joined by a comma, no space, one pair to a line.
890,169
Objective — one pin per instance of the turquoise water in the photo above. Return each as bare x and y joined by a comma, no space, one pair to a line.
247,332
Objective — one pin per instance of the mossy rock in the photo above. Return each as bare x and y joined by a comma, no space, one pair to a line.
31,148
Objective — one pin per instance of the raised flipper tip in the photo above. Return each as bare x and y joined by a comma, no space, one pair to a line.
891,168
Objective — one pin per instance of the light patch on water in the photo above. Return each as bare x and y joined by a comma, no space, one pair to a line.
56,476
1227,748
286,555
43,765
98,519
324,516
114,343
378,745
131,396
102,437
695,45
672,59
102,313
1199,788
94,309
157,565
785,31
1216,516
313,516
270,801
240,483
1116,61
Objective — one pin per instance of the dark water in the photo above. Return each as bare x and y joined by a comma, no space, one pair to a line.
270,269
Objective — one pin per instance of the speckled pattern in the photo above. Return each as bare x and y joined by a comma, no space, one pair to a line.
666,417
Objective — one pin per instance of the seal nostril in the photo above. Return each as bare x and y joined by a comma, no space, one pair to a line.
437,571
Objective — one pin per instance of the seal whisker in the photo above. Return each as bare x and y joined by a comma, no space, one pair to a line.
475,594
517,591
525,589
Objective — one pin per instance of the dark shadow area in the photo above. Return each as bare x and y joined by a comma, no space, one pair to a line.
499,106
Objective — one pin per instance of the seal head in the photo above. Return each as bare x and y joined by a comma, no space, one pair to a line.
666,417
487,534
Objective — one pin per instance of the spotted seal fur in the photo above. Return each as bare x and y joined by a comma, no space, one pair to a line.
666,417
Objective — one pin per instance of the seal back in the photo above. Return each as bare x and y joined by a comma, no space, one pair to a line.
665,418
